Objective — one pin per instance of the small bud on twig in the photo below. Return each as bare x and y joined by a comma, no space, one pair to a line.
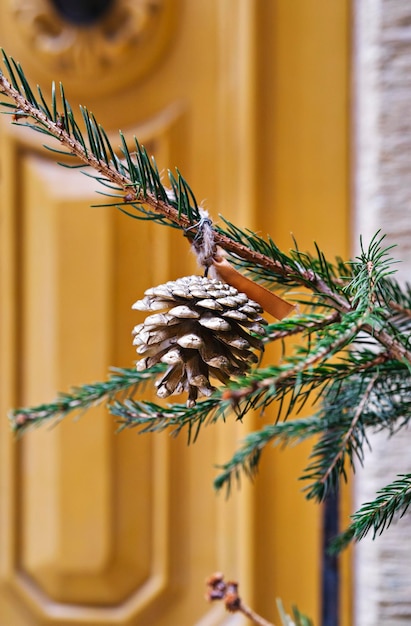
217,589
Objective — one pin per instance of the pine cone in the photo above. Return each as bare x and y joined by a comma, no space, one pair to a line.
208,329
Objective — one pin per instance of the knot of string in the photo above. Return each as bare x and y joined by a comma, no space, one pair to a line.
203,243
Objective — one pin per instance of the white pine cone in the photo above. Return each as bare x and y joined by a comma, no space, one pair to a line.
207,329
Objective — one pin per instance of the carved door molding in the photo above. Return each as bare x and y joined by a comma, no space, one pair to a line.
116,48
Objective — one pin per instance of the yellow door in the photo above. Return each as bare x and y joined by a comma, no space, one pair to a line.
249,100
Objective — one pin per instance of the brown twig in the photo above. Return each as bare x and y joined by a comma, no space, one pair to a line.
304,276
394,347
217,589
314,325
401,309
57,130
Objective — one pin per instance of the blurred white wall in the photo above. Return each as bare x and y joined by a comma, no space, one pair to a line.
382,194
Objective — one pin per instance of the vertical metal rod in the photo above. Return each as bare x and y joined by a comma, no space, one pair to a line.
330,592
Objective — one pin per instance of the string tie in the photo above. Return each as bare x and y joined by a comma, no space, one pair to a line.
203,243
209,255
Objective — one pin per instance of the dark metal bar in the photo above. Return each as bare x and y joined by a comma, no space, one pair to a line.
330,584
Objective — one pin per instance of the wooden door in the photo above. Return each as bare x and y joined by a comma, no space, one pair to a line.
99,528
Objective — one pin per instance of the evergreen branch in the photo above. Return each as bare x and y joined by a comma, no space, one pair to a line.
138,179
152,417
357,304
391,502
246,459
370,271
361,403
121,381
348,442
267,381
402,311
341,422
396,347
300,324
139,184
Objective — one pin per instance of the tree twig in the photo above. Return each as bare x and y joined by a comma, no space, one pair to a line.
400,309
218,589
131,194
314,325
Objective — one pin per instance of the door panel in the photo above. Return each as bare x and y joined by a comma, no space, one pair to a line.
99,527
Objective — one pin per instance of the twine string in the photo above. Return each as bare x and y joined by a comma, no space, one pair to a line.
209,255
203,243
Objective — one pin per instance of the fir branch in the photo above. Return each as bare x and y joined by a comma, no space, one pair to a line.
348,441
341,423
152,417
300,324
361,403
371,269
267,381
246,459
138,179
357,305
121,381
138,184
391,502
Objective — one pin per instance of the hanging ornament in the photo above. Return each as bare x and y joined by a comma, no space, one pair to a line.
206,329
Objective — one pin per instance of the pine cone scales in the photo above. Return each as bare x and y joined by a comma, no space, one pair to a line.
207,329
